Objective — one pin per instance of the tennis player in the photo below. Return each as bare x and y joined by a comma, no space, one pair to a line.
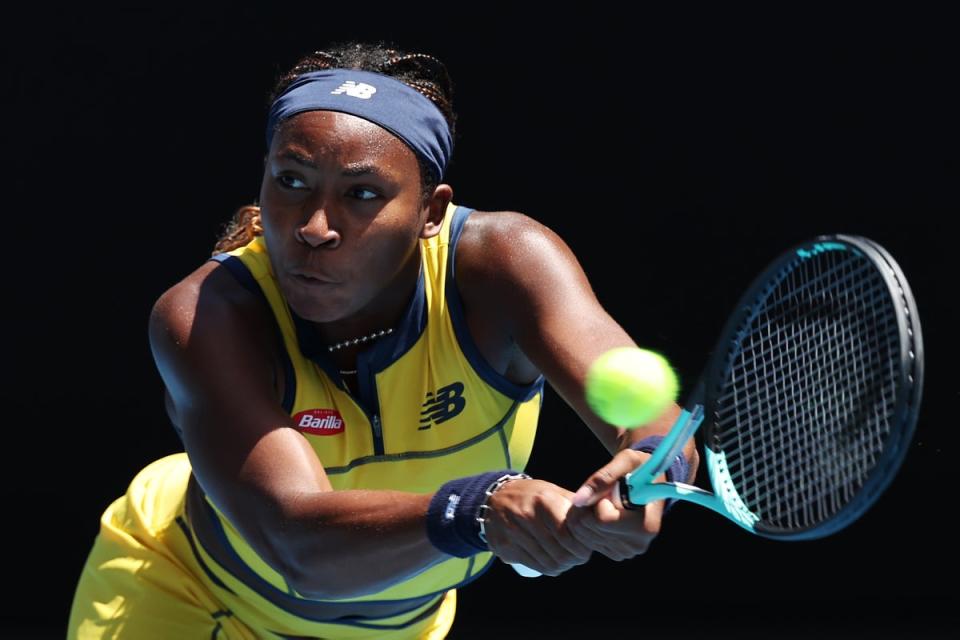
356,376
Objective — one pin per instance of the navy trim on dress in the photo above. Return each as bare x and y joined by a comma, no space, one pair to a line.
185,528
458,317
433,453
209,534
429,611
240,271
379,355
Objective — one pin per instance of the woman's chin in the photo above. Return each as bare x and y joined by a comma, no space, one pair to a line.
324,309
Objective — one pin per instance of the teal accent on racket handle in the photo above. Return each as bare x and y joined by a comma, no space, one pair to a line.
728,503
641,493
640,488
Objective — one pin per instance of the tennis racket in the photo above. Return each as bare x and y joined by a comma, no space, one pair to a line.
808,401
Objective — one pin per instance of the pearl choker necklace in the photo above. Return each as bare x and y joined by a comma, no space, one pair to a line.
348,343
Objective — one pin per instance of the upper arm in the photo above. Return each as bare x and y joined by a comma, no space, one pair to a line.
211,347
548,306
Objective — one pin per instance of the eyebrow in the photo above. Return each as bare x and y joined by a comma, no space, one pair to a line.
349,171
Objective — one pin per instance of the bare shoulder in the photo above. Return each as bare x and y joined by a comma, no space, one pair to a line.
491,222
511,252
205,315
206,292
494,243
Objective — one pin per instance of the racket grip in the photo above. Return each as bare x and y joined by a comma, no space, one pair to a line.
526,571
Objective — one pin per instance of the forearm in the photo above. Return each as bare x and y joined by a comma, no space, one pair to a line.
343,544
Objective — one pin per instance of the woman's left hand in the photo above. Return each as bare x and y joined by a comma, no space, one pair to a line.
602,523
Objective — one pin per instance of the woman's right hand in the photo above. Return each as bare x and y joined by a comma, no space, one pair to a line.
526,524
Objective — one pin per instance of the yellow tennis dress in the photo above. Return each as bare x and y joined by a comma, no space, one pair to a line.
168,564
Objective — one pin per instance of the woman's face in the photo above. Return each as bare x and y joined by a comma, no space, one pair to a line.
342,213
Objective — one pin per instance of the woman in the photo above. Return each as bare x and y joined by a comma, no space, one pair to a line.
356,376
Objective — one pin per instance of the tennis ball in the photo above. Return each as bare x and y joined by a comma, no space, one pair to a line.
628,387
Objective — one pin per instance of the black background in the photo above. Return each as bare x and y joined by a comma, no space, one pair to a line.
675,153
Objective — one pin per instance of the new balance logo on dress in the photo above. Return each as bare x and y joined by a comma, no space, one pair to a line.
439,407
355,89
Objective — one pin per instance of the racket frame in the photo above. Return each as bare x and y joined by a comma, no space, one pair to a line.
640,488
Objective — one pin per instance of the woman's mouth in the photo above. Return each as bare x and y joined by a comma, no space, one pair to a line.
311,280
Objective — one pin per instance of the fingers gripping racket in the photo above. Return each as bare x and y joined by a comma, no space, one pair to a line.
809,400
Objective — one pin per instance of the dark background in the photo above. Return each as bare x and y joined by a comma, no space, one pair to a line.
676,154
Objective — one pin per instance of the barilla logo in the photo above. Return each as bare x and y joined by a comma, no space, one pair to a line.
319,422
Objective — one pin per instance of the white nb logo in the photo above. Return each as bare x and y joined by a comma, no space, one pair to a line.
356,90
452,501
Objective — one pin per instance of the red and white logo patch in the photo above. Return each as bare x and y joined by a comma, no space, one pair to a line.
319,422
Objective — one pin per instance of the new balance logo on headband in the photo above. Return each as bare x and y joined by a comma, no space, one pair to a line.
355,89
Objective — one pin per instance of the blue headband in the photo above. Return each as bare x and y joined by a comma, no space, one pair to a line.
398,108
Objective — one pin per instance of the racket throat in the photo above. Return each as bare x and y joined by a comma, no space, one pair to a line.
682,430
636,492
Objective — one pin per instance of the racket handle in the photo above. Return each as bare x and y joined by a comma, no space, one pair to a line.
526,571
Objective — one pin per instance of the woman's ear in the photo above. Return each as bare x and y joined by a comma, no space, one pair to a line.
436,208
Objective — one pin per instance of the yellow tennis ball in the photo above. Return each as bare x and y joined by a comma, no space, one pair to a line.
629,387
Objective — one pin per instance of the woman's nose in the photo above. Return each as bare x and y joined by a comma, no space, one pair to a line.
316,231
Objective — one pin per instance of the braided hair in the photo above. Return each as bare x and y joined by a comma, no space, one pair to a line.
421,71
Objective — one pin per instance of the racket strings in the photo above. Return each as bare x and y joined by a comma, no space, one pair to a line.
809,395
774,347
757,368
801,483
789,307
833,469
799,458
842,374
805,425
824,282
756,365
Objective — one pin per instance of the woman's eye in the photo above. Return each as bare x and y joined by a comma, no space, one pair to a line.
365,194
289,182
